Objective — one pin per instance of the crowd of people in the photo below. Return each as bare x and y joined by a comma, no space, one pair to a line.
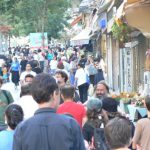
65,104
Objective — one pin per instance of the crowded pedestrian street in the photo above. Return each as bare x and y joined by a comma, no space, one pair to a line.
75,75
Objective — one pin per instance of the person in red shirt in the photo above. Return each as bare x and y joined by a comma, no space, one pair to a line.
70,107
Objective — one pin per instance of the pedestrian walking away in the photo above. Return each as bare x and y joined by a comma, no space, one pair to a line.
46,128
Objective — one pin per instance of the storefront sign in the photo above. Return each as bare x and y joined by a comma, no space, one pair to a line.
38,41
128,70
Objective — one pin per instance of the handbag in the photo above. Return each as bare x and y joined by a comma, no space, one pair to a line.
99,140
92,70
87,79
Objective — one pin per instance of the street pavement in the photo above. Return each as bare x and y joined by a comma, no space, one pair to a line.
11,87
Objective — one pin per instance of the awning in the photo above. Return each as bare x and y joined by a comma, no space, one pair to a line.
138,16
75,21
135,1
132,1
120,11
82,38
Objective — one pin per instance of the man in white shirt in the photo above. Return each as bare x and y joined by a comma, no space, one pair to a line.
27,71
28,104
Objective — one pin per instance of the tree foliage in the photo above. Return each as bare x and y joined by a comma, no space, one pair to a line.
28,16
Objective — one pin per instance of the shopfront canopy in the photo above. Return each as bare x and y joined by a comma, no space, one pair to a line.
137,13
135,1
132,1
76,20
82,38
120,11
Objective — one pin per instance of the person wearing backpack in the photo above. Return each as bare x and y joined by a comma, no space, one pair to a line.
5,99
93,129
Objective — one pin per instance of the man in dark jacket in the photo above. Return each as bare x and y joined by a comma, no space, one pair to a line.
47,130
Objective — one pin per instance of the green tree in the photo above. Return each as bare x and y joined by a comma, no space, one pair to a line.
28,16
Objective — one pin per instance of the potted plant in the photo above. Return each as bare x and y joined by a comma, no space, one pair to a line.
121,31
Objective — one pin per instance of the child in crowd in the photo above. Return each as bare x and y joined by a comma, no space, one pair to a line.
5,73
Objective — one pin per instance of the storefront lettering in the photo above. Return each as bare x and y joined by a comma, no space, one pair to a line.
128,67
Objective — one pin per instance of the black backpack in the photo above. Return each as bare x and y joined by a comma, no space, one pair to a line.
99,138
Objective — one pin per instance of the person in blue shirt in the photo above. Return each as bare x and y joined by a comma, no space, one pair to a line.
13,116
50,55
47,130
15,70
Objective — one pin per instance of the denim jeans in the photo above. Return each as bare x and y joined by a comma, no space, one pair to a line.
83,91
